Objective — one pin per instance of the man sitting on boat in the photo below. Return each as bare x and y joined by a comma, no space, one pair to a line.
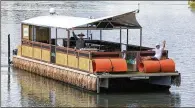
80,42
158,52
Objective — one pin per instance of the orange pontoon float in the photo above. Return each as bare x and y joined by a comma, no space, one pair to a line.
109,65
152,66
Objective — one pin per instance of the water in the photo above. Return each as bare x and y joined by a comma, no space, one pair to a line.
170,21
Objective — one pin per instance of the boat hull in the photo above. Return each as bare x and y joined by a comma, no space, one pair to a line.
95,82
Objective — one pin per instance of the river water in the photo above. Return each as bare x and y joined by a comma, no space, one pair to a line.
170,21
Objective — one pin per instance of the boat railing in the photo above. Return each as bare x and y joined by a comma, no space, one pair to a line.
63,49
106,54
64,56
45,46
72,51
43,53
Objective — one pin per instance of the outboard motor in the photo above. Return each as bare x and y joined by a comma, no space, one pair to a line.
15,51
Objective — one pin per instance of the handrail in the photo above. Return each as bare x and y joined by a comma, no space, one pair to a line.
135,55
149,53
64,49
45,46
61,49
106,54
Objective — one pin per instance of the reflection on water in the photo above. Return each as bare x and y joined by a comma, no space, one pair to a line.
193,10
53,93
40,91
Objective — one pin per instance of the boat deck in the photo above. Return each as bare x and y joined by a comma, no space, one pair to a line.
137,74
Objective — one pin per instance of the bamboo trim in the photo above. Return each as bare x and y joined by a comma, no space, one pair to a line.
74,77
53,65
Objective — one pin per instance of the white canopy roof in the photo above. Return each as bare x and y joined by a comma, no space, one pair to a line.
121,20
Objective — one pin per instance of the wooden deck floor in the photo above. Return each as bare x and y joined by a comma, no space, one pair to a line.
137,74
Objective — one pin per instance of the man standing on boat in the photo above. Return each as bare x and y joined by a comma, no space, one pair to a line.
80,42
158,52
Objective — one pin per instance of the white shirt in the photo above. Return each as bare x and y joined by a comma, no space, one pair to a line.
158,53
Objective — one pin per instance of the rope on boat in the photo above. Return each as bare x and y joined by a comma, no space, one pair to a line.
111,65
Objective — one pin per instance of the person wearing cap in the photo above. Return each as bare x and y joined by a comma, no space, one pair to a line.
80,42
158,51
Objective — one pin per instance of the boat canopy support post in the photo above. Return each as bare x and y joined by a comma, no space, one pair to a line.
49,35
140,38
127,39
120,38
56,36
100,38
87,31
68,44
21,36
68,39
100,34
33,36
